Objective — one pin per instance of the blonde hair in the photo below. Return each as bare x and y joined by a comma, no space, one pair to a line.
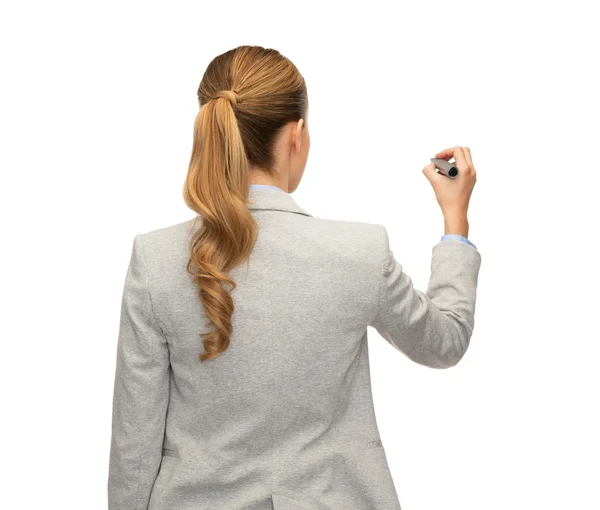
246,96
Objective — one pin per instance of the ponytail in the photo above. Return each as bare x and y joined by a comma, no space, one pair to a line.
216,187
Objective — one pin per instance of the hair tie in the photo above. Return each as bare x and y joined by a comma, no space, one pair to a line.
230,95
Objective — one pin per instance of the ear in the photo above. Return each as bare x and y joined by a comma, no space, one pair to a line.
298,135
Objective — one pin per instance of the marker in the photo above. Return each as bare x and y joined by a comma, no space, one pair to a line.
446,168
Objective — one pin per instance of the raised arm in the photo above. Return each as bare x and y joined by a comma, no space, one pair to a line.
432,328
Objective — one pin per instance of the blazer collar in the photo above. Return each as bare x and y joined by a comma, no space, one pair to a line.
272,199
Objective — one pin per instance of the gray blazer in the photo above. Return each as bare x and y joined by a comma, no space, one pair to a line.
284,418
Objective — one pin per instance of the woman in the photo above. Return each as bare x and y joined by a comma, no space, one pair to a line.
242,373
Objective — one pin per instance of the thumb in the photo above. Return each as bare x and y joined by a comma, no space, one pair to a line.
430,172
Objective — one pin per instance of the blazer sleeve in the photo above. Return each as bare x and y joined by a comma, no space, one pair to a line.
141,393
432,328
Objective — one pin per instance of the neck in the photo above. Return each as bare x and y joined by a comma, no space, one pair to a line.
262,178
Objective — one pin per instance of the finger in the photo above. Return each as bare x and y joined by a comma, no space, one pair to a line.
468,157
457,153
446,153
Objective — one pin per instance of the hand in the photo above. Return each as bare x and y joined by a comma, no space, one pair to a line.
453,193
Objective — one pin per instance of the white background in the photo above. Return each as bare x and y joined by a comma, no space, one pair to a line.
98,101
